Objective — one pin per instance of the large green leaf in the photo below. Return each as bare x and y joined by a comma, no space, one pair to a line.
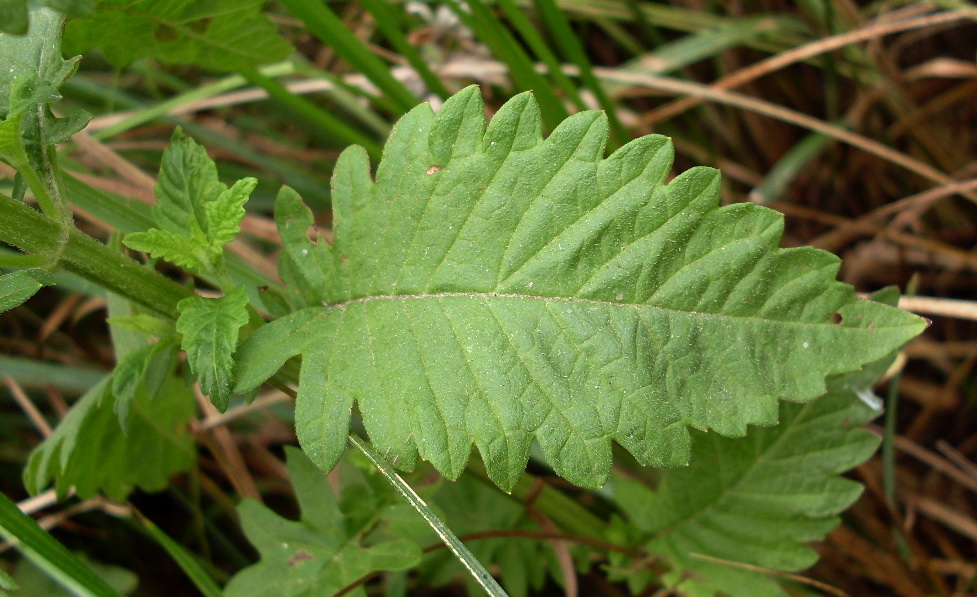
90,452
334,544
753,501
220,35
494,288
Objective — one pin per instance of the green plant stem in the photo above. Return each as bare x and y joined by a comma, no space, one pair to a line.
475,568
34,232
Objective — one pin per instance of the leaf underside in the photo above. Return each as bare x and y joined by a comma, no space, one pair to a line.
747,506
495,288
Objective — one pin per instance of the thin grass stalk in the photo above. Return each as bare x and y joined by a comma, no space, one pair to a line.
388,23
572,50
541,49
488,29
474,567
331,31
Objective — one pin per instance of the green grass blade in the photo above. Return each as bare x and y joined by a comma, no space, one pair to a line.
183,558
45,552
388,22
789,167
506,49
573,51
37,374
311,114
540,47
329,29
162,109
474,567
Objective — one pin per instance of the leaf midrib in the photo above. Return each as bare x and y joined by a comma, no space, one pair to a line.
564,299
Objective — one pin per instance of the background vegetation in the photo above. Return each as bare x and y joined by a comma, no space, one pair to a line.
856,120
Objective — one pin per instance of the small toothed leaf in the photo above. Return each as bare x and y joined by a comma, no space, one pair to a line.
224,214
210,328
196,214
494,289
17,287
187,252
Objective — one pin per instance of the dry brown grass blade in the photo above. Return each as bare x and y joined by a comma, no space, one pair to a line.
752,104
225,450
775,573
947,516
932,459
941,307
950,256
805,52
908,208
27,405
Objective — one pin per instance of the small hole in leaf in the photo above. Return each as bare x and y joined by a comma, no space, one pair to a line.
165,33
836,318
201,26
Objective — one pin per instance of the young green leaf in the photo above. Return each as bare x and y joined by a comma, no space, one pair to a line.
333,545
492,288
33,69
17,287
210,329
189,252
220,35
196,214
755,500
158,445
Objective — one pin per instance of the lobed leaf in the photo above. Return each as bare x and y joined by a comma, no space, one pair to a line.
754,501
33,70
187,252
303,264
89,451
333,545
142,371
495,288
210,328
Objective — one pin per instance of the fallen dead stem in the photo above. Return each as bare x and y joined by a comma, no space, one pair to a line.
759,106
908,208
778,61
